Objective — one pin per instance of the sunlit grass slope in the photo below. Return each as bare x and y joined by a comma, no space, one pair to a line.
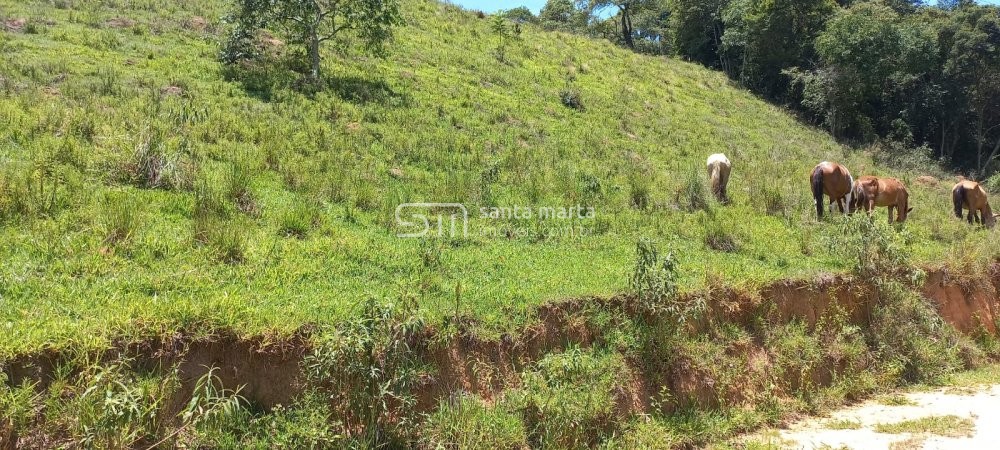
143,190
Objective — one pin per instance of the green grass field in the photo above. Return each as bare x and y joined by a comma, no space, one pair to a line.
269,208
148,191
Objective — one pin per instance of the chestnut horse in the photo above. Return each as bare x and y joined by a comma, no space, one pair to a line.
970,195
872,192
719,168
835,181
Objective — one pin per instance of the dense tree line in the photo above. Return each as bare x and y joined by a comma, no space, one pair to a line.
899,72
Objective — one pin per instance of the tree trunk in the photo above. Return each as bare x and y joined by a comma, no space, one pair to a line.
627,28
314,72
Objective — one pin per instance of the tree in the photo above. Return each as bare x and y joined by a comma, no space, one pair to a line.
501,27
312,22
695,30
520,15
627,10
974,65
563,15
768,37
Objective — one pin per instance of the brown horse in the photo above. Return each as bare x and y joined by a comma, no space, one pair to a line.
858,192
871,192
835,181
970,195
719,168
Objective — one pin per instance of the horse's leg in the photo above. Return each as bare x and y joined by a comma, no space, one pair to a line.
840,204
969,216
890,214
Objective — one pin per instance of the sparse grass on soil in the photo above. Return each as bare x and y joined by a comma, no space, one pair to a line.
950,425
896,400
842,424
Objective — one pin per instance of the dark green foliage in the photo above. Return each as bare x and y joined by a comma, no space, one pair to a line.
767,37
696,29
571,98
367,24
520,15
562,15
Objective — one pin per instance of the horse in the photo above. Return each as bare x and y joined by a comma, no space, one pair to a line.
889,192
835,181
858,192
719,169
970,195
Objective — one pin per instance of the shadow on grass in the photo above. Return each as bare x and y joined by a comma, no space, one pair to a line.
266,81
362,91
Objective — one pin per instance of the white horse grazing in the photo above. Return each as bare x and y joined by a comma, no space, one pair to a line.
719,168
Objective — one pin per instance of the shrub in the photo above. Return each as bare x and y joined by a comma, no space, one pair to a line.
568,399
877,251
466,422
909,333
797,357
571,98
654,279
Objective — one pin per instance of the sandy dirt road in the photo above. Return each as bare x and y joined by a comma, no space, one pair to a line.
964,416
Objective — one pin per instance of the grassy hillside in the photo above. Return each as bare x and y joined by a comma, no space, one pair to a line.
144,189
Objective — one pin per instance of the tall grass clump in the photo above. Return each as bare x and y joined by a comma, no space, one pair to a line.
367,367
239,185
212,412
693,193
215,226
152,166
717,235
120,218
298,219
467,422
568,399
37,189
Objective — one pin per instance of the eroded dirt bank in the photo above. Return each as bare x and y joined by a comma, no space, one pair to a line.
270,373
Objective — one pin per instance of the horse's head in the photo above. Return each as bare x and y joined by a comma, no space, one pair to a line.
990,220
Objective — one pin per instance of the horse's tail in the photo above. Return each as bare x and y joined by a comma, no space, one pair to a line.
958,197
817,189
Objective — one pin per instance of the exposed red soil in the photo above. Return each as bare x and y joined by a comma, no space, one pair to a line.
119,22
14,25
270,374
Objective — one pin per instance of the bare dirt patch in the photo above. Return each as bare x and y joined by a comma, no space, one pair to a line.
936,419
14,25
